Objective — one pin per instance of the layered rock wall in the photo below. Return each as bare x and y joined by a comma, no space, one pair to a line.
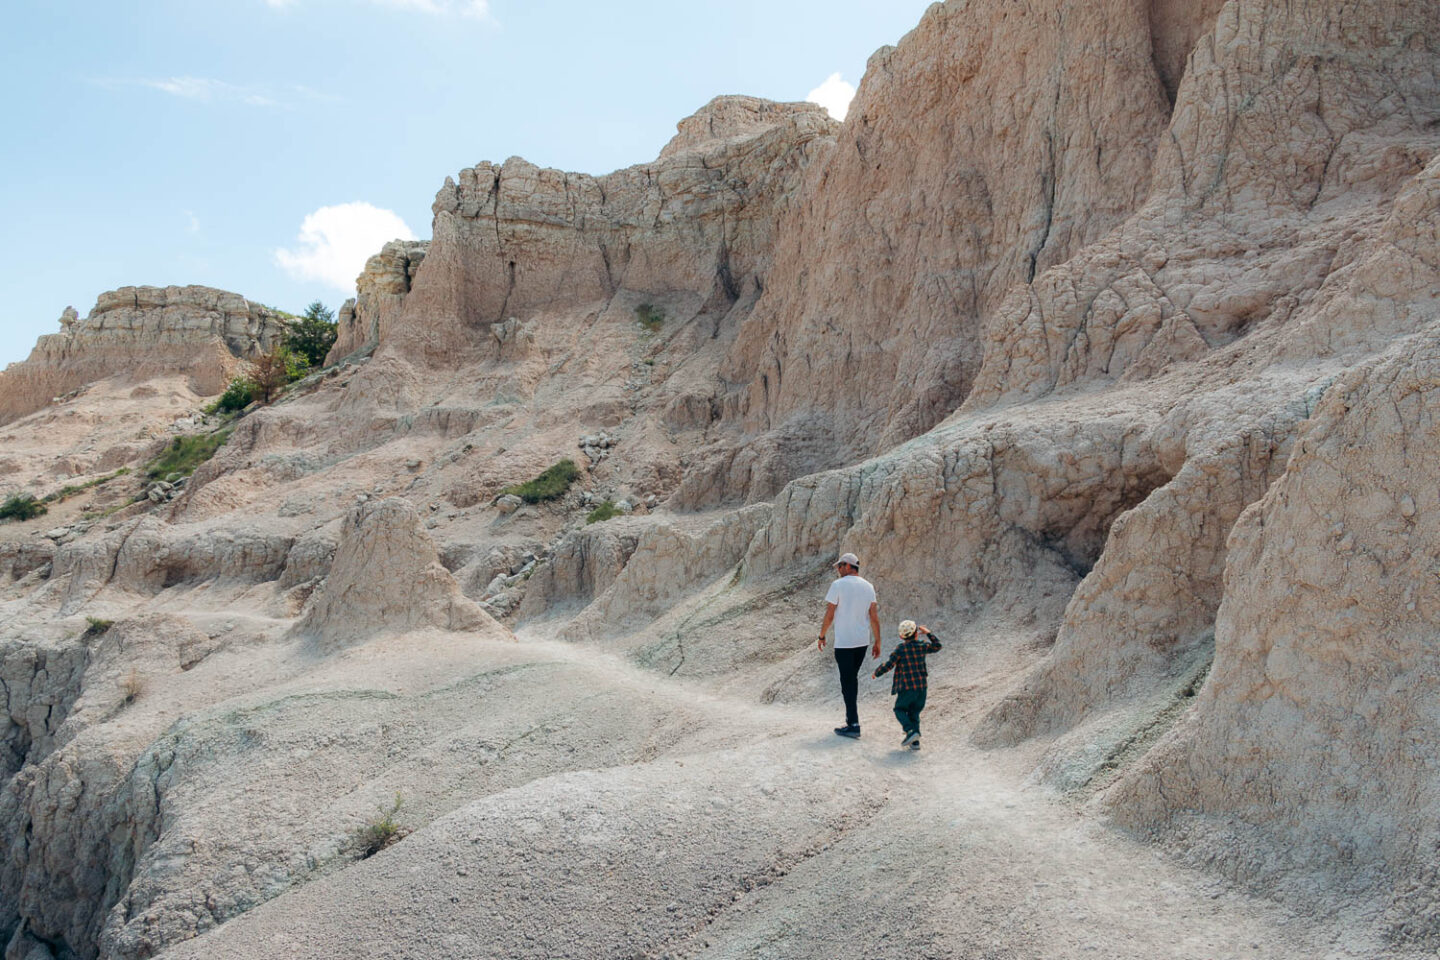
140,332
1311,748
694,229
380,293
993,142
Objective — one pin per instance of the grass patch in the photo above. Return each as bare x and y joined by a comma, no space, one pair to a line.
649,316
185,454
22,506
606,511
75,489
93,515
132,685
550,485
96,628
382,830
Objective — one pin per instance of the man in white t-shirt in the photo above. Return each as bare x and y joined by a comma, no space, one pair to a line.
850,606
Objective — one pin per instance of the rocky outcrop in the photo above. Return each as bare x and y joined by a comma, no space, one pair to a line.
380,293
146,556
629,571
1104,333
962,171
692,231
1290,137
140,332
1311,747
387,577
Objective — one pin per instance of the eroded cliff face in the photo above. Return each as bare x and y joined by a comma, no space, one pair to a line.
1103,332
1325,659
380,292
690,233
139,333
991,143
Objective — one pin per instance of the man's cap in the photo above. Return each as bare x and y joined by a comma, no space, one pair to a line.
849,558
907,629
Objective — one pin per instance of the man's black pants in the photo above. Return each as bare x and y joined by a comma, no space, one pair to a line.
849,659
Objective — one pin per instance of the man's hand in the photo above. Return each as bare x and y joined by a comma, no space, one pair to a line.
875,651
822,643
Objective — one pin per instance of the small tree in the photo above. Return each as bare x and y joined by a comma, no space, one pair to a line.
312,335
274,370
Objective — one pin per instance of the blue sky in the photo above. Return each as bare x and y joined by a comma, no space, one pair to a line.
188,141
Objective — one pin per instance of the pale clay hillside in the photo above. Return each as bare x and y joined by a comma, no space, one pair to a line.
1106,334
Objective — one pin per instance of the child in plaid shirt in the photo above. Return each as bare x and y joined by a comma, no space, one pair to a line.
911,680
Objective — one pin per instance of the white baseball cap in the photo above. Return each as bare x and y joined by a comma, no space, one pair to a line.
849,558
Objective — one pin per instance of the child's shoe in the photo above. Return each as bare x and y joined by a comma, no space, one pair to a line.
915,744
910,738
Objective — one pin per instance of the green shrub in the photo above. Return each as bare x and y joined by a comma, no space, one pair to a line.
382,830
96,628
606,511
22,507
240,394
74,489
185,454
650,317
550,485
311,336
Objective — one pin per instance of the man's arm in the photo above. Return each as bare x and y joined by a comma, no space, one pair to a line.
825,627
875,630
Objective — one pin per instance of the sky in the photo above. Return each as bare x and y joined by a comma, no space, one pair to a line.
269,146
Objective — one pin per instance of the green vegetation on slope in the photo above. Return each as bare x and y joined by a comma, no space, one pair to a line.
185,454
22,506
550,485
606,511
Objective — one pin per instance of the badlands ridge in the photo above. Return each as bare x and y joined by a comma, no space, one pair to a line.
1106,333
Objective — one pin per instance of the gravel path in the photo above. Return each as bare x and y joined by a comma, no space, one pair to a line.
779,841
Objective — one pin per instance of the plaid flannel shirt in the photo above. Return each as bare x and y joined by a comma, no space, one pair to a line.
908,661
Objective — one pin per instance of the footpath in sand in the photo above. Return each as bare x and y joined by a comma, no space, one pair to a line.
779,841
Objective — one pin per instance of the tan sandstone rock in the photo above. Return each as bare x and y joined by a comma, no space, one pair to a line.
141,332
380,292
387,577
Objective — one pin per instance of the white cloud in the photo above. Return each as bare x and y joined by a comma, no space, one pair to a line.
194,88
209,90
193,222
335,242
834,95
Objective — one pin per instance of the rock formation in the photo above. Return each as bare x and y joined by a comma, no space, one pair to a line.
961,172
386,576
691,232
138,333
1104,333
380,292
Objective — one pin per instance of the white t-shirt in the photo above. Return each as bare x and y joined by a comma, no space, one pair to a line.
852,596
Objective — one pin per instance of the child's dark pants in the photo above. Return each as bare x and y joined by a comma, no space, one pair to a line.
908,704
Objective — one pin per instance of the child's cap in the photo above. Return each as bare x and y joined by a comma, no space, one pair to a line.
907,629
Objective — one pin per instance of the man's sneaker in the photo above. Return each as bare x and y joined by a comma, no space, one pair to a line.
910,738
851,730
915,744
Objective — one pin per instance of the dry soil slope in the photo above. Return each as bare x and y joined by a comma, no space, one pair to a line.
1151,351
